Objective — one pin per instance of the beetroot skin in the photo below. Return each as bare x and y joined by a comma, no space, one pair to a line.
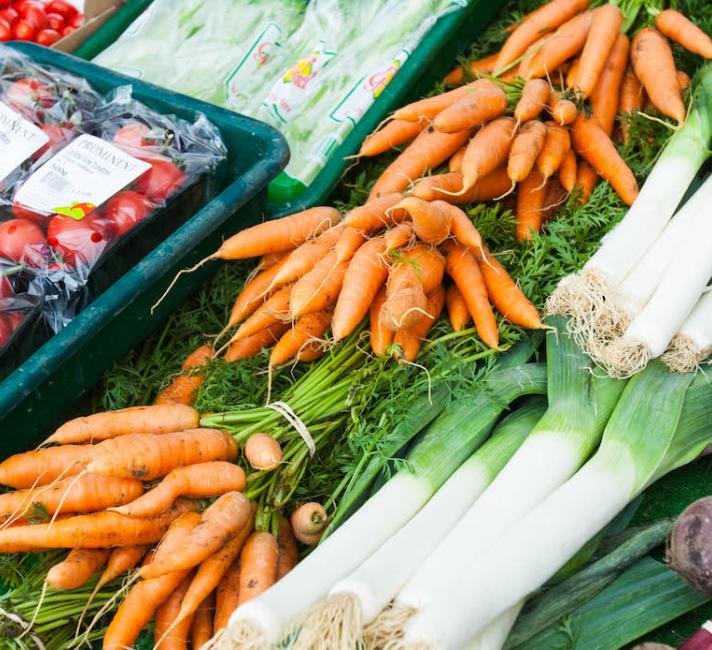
691,545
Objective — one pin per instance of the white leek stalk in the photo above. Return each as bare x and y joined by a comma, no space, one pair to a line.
660,423
495,633
693,342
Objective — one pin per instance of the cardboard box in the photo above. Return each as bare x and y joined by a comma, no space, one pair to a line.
97,12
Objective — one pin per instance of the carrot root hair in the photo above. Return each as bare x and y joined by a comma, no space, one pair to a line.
665,123
507,193
336,622
177,277
77,478
386,630
36,613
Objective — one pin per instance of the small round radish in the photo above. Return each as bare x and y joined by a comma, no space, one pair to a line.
125,210
263,452
309,522
79,241
21,241
159,182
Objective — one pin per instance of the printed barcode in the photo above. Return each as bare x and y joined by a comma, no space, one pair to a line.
56,182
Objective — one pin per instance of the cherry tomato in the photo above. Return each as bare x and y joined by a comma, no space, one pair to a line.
67,31
6,330
14,319
80,242
58,135
34,15
5,30
76,21
5,3
28,94
56,22
21,241
62,8
10,15
21,5
24,30
131,136
159,182
125,210
47,37
6,290
21,212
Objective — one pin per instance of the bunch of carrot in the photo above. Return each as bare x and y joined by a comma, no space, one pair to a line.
122,491
572,65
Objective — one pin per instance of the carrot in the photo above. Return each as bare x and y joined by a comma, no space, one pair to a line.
305,330
278,235
677,27
484,101
448,187
411,340
555,196
160,418
263,452
226,597
655,67
225,518
606,95
430,223
348,243
168,634
455,162
97,530
87,493
211,572
121,560
591,142
586,180
430,149
268,260
202,629
547,18
556,146
462,229
487,150
631,99
563,111
272,312
573,71
319,289
428,108
606,22
535,96
455,77
506,295
310,352
528,59
77,568
307,520
254,344
43,466
381,336
287,544
200,481
419,272
526,147
395,133
567,42
568,171
530,205
258,566
463,268
457,310
184,388
684,80
150,456
376,213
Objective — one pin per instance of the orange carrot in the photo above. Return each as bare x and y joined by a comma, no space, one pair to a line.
350,241
308,327
161,418
563,111
677,27
555,196
535,96
530,55
530,205
272,312
430,223
168,634
77,568
573,71
151,456
411,340
606,22
303,258
254,344
684,80
484,101
88,493
526,147
547,18
631,99
586,180
556,146
202,629
455,162
255,292
428,108
463,268
319,289
457,310
457,75
263,452
199,481
462,229
381,336
568,171
184,388
419,271
506,295
448,187
655,67
430,149
487,150
287,544
268,260
43,466
568,41
596,147
278,235
606,95
227,596
376,213
222,520
395,133
121,560
258,566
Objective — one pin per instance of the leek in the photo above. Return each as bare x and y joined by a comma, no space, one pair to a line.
449,440
693,342
660,423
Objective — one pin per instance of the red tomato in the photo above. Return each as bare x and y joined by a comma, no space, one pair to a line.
14,318
76,21
6,290
6,330
125,210
131,136
10,15
5,30
80,242
62,8
21,212
27,94
24,30
58,135
21,5
67,31
34,15
56,22
5,3
47,37
21,240
159,182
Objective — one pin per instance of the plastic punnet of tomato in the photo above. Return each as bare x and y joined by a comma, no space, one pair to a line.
39,21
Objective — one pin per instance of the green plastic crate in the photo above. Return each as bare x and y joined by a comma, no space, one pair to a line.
38,394
430,61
